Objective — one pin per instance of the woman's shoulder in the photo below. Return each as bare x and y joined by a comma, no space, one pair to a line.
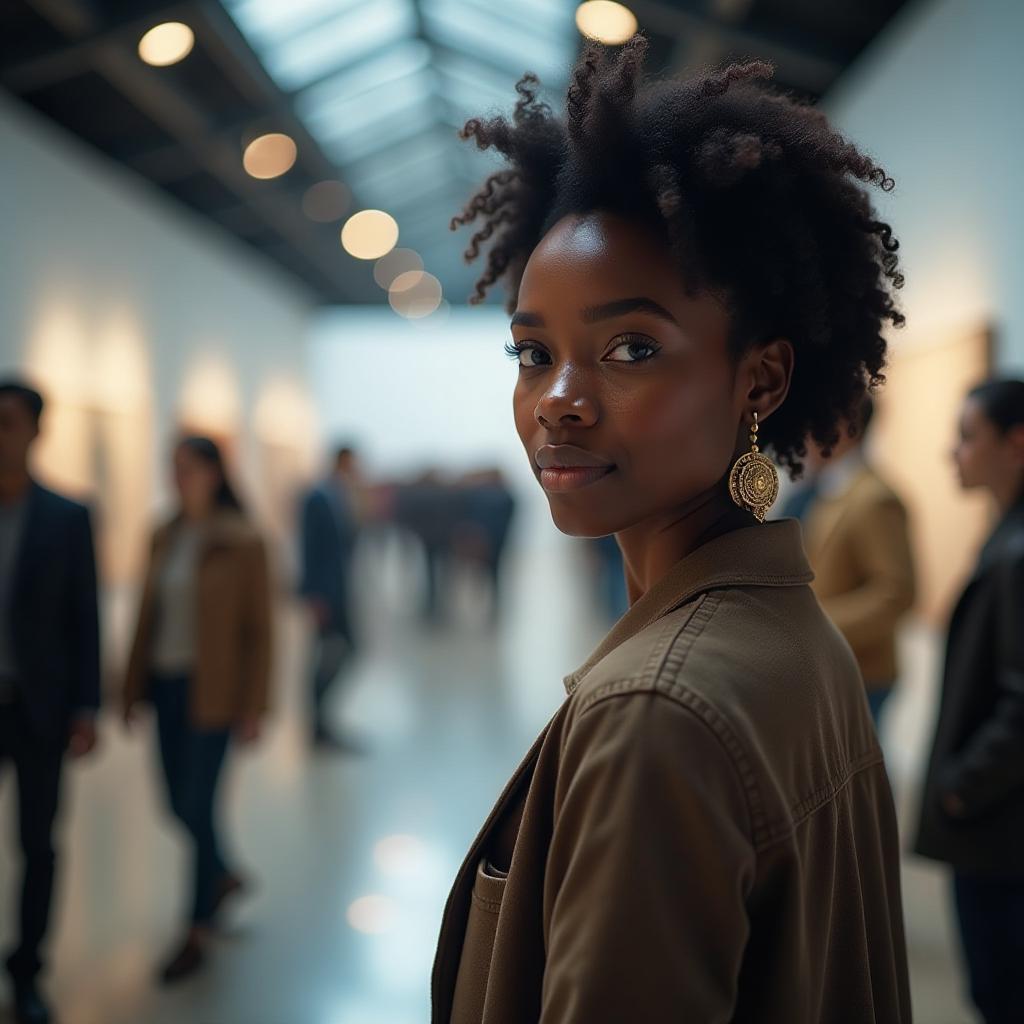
735,656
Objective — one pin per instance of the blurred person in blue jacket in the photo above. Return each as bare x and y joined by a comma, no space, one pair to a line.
329,530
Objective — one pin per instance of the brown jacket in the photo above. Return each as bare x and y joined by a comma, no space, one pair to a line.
859,547
703,833
231,677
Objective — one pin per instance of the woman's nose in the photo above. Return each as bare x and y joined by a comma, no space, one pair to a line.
566,404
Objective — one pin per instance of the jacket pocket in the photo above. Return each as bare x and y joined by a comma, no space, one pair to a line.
478,946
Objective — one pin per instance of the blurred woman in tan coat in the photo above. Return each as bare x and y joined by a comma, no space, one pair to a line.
201,656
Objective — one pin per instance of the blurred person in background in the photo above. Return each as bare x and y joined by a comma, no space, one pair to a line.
330,522
858,543
705,830
201,657
49,666
972,814
486,508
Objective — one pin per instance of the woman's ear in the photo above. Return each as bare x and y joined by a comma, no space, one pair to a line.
765,372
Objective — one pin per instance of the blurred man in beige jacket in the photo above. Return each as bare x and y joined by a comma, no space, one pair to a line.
857,541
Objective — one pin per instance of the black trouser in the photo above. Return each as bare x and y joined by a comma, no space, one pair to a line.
334,649
991,916
37,765
192,760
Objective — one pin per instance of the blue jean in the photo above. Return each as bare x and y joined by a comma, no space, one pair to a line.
192,760
991,916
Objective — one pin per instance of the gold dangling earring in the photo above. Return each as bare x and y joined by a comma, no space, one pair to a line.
753,481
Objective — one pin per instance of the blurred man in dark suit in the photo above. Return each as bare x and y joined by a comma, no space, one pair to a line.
858,543
330,526
49,666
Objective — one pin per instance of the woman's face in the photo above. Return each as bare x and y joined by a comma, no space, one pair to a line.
627,402
196,481
984,456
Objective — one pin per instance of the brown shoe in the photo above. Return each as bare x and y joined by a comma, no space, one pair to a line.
188,959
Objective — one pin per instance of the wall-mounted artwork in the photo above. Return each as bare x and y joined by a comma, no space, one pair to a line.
916,428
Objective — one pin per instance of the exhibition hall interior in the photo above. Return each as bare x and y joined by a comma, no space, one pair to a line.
230,274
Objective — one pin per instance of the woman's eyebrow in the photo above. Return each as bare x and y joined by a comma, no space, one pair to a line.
640,304
520,318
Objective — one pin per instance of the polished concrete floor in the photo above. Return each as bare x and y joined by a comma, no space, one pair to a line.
353,856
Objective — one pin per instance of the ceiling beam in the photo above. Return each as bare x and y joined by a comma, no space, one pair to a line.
158,98
812,71
88,35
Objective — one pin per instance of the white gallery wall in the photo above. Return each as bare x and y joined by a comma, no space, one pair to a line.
937,100
137,319
420,395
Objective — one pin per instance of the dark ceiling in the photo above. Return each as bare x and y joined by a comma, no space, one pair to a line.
372,92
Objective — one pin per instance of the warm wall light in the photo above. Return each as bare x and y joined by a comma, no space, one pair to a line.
606,21
398,261
269,156
326,201
415,294
166,44
369,234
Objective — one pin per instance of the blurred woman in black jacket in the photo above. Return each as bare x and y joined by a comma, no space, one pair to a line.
973,812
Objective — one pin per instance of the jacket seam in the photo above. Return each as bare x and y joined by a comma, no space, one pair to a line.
651,672
822,797
491,906
695,714
674,657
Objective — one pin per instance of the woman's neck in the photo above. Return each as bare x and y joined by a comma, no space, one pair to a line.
196,516
1008,493
651,548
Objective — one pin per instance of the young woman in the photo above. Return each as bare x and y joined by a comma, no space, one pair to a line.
704,831
201,655
973,810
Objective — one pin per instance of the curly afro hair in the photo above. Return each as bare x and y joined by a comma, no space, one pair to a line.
760,200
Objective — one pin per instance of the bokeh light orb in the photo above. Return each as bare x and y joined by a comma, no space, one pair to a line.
166,44
326,201
270,155
606,21
369,234
372,914
394,263
415,294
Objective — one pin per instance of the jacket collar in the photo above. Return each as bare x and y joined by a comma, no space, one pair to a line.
768,555
1010,526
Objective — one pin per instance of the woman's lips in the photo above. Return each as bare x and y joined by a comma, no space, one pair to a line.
572,478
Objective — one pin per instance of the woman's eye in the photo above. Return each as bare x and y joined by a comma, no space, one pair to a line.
527,355
632,350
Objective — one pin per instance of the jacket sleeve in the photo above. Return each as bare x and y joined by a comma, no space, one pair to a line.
991,765
256,630
649,868
867,614
85,617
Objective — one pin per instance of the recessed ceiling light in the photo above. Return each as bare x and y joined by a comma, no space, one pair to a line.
269,156
369,234
166,44
606,21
